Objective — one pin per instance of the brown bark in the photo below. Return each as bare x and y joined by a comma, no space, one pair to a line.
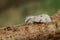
36,31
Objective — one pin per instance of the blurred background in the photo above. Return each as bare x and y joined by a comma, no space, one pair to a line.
13,12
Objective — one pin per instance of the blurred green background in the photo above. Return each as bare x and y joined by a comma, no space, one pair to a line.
13,12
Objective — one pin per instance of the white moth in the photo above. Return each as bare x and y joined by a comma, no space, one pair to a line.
44,18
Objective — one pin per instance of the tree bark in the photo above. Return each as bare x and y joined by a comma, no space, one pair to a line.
36,31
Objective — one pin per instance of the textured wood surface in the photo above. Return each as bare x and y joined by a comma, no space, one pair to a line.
36,31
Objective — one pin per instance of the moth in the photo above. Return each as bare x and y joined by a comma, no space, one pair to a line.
43,18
